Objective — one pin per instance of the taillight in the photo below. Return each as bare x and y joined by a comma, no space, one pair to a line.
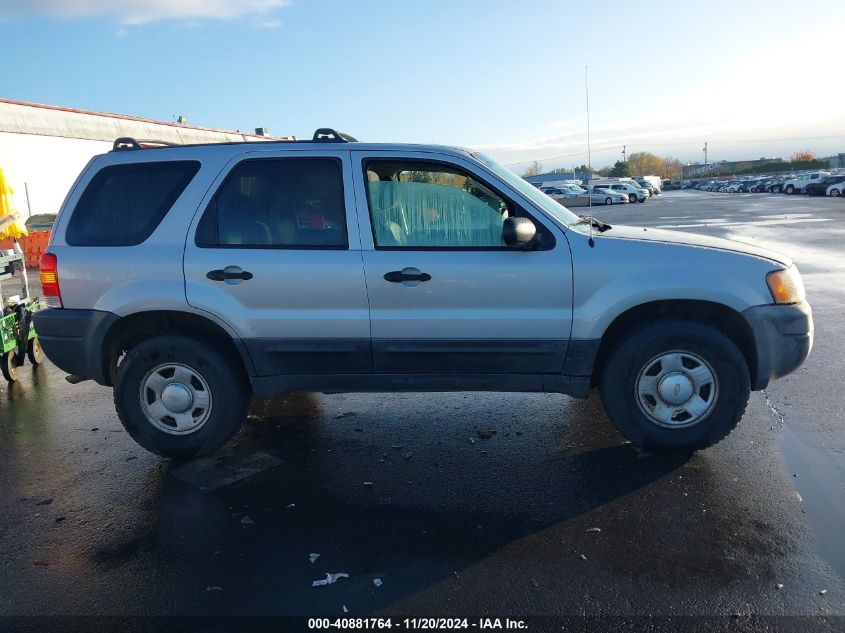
50,281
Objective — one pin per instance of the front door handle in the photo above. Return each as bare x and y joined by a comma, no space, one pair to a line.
397,276
229,273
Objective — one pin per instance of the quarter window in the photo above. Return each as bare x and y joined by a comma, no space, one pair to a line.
124,204
277,203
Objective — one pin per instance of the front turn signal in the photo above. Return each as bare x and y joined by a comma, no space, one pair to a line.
786,285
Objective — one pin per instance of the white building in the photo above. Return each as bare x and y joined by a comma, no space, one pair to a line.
43,148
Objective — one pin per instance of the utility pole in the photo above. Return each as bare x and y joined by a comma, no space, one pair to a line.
706,166
624,157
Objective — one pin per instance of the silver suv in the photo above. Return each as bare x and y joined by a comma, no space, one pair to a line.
191,278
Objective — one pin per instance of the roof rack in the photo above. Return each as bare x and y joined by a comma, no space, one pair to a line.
127,143
328,135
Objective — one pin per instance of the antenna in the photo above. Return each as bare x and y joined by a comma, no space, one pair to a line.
589,154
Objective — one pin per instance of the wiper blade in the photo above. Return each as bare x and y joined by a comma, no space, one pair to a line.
600,226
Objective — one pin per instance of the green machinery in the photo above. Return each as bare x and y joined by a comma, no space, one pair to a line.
16,329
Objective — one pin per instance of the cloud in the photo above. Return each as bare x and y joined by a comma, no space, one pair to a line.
132,12
267,24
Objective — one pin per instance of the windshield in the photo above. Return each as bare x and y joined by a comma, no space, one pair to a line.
528,190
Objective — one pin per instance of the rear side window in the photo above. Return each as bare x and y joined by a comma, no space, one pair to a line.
277,203
123,204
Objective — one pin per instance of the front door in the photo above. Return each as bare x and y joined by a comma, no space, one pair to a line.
446,294
274,252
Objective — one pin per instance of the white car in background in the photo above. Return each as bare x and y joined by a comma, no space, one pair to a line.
797,184
577,196
836,190
634,191
605,195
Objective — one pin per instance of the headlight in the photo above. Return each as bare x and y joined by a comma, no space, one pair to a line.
786,285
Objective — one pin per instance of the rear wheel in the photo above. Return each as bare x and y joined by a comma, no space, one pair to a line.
632,197
790,189
179,397
675,386
835,193
34,351
608,200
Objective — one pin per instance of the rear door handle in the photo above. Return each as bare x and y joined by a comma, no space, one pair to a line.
230,272
398,276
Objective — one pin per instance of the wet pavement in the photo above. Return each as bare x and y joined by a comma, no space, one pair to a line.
553,514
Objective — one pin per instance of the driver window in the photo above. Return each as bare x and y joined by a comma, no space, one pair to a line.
425,204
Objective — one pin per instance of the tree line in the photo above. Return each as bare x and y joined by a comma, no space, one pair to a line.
638,164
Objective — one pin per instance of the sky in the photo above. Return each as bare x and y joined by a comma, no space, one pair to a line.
751,78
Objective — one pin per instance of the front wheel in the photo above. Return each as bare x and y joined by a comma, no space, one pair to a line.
632,197
10,366
179,397
641,199
835,193
608,200
790,190
675,386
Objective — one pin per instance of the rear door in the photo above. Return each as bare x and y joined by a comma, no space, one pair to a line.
446,294
275,252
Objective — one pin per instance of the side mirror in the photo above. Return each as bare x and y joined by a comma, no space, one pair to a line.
518,231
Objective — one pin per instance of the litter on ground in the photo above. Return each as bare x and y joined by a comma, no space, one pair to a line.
330,579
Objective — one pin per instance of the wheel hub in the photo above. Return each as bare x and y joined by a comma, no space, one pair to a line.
177,398
675,388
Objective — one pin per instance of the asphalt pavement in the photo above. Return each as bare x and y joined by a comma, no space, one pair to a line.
554,514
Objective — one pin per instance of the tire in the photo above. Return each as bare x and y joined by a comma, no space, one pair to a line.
632,364
834,193
10,366
641,199
632,197
204,374
790,189
34,351
608,200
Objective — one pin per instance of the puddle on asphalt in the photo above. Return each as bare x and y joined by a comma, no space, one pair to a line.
819,481
289,405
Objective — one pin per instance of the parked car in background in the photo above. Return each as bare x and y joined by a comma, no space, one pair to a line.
776,186
760,186
604,195
797,184
652,183
633,190
646,185
836,190
746,185
820,188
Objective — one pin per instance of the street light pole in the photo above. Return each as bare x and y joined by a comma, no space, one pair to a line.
706,165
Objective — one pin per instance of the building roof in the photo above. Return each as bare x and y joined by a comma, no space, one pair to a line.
21,117
556,175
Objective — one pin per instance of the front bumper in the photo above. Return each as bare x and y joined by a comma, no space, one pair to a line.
73,340
783,337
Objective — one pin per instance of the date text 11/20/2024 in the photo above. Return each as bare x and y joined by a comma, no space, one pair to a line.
425,624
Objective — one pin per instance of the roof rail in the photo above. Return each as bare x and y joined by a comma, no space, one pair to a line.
328,135
127,142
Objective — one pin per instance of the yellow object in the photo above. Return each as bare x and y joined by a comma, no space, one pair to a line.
13,227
